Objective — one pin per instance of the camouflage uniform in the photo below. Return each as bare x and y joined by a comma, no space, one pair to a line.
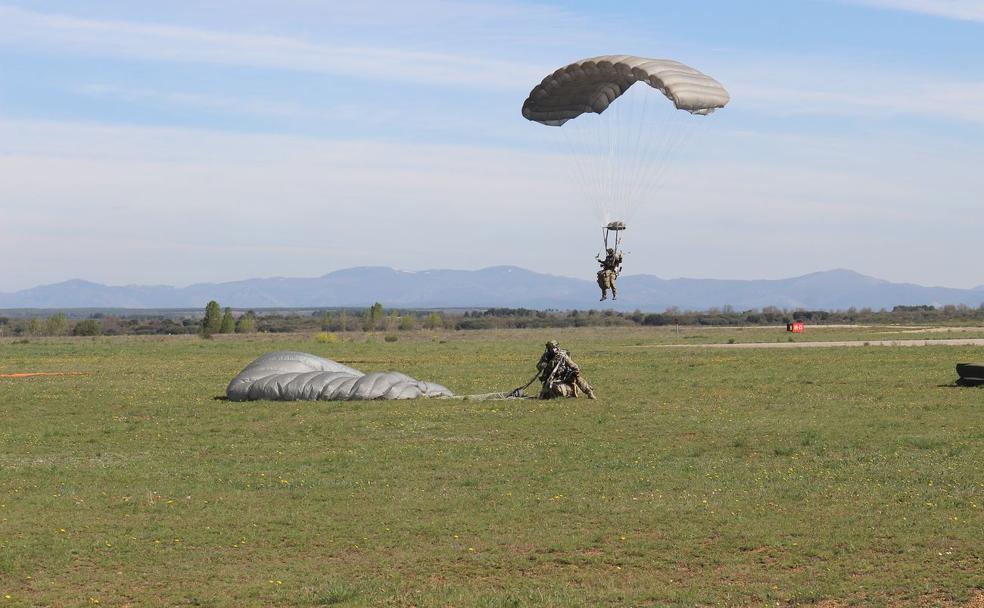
610,267
561,377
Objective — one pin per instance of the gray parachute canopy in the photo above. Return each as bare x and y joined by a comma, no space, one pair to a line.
293,376
591,85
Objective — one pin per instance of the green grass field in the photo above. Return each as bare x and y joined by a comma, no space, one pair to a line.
701,477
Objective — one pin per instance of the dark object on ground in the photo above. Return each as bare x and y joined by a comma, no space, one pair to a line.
294,376
971,374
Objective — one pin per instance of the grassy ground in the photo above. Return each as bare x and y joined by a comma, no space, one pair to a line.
756,477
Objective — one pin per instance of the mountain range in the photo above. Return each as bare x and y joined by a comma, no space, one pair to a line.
498,286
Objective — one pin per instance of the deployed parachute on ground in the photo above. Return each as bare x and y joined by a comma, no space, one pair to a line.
621,137
294,376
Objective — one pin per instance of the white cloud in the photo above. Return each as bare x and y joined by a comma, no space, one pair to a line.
947,101
130,39
811,85
963,10
251,106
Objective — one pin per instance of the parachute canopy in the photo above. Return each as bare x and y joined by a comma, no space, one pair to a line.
591,85
293,376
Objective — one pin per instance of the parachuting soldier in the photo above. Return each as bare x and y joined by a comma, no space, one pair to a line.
610,267
561,377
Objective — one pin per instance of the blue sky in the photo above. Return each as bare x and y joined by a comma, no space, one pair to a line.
216,140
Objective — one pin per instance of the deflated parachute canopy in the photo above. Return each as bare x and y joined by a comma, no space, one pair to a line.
591,85
293,376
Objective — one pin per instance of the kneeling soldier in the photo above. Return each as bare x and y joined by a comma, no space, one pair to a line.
561,377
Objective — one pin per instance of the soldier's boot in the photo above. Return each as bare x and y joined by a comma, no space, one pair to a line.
584,386
614,293
588,390
604,294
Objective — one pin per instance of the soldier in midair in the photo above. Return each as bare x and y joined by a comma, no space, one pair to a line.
610,267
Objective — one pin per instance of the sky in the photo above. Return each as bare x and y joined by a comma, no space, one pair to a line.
216,140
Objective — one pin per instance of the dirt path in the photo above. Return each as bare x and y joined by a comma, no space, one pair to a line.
946,342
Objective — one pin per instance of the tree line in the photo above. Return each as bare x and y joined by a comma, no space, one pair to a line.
216,320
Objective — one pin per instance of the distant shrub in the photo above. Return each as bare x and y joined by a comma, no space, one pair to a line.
87,327
391,338
326,337
246,323
56,325
434,321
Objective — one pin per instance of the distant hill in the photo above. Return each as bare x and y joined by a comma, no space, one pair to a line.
499,286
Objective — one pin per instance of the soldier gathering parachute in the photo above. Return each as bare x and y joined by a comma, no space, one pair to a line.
620,140
296,376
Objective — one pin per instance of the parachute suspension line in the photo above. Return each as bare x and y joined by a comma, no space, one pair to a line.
617,154
584,150
604,163
638,154
656,141
619,160
677,130
591,149
613,166
620,117
580,172
625,120
671,131
635,142
604,167
593,133
635,159
567,135
660,134
622,156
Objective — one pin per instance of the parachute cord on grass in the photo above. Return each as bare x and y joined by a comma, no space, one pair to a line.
485,397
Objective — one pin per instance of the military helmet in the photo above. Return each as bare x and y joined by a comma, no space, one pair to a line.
610,250
553,344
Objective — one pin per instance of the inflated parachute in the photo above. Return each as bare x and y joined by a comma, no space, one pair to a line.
621,137
296,376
